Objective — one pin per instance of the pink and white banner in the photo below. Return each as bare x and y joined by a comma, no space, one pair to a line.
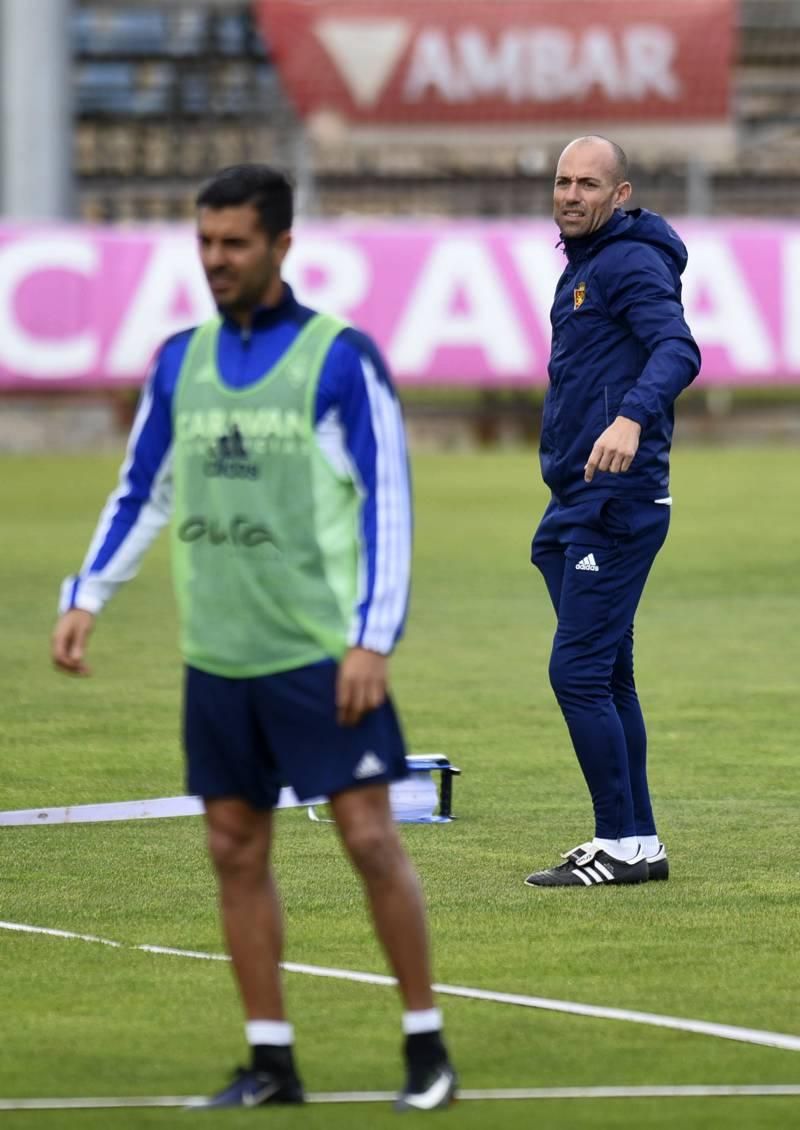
448,302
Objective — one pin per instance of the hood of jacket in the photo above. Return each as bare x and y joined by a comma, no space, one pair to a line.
639,225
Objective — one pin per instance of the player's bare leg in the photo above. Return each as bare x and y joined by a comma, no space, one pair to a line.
240,842
369,834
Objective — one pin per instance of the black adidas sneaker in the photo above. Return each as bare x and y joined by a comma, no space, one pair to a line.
658,864
590,866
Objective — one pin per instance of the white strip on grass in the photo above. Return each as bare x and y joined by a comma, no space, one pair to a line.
61,934
502,1095
698,1027
109,1103
158,808
413,800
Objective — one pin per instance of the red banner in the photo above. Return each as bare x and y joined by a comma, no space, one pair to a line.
434,62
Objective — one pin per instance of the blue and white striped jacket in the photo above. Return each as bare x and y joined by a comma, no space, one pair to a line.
359,427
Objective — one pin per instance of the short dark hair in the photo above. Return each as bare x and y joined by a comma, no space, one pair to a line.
268,190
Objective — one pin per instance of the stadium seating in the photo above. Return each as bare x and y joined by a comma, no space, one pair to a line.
164,93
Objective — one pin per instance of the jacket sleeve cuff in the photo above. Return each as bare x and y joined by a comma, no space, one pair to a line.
636,414
370,640
74,594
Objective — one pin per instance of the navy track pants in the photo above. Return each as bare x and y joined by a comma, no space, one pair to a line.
595,557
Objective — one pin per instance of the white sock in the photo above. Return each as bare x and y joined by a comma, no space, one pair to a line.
623,849
274,1033
650,845
422,1020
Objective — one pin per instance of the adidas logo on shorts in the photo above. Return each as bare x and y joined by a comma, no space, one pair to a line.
370,765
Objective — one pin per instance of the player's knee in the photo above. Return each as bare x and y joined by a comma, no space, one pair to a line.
568,677
560,672
374,849
235,851
622,674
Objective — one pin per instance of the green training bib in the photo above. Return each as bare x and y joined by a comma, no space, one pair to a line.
265,533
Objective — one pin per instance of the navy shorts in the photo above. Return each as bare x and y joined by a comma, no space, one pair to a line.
246,738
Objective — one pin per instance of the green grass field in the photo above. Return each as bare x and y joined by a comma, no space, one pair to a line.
718,670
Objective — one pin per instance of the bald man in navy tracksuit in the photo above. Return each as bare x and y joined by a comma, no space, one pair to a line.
621,354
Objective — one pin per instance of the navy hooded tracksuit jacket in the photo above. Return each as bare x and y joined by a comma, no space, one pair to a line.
620,347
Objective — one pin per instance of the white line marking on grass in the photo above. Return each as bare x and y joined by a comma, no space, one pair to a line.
98,1104
502,1095
200,955
22,929
343,974
699,1027
699,1091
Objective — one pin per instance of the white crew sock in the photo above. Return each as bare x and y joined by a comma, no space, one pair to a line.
650,845
274,1033
422,1020
623,849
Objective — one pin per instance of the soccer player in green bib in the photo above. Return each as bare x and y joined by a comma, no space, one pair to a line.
272,441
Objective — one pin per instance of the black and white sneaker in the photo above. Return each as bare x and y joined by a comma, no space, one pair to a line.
590,866
433,1090
658,864
254,1088
431,1081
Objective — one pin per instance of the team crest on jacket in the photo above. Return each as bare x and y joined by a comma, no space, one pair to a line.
578,295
